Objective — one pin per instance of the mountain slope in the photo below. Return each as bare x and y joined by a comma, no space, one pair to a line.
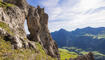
91,39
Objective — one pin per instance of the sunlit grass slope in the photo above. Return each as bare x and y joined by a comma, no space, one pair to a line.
65,54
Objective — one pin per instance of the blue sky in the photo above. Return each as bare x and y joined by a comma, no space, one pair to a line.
73,14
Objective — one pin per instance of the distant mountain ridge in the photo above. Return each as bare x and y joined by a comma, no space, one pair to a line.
91,39
90,30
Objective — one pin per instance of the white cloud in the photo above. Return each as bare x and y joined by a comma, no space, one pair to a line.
85,5
49,3
72,14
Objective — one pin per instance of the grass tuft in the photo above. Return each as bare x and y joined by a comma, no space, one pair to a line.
5,5
5,27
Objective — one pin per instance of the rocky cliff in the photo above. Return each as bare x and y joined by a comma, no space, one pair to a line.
13,14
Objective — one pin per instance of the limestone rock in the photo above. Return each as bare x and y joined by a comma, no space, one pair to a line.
22,4
38,27
37,21
14,17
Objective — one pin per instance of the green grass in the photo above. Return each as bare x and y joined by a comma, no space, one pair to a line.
5,5
5,47
7,53
99,36
5,27
41,53
98,53
65,54
84,52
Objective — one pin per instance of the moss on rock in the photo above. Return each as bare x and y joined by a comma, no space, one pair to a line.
7,53
5,27
5,5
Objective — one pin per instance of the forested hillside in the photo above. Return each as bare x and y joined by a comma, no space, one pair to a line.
87,39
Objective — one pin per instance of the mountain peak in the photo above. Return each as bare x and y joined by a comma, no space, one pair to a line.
62,29
84,28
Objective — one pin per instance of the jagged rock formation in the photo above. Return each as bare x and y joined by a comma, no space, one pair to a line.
38,27
37,20
89,56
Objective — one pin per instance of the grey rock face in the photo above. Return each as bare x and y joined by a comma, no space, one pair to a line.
14,17
37,21
38,27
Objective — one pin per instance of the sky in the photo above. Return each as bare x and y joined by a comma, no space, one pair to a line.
73,14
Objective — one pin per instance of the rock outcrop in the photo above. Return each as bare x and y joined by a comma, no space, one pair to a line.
89,56
38,27
14,16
